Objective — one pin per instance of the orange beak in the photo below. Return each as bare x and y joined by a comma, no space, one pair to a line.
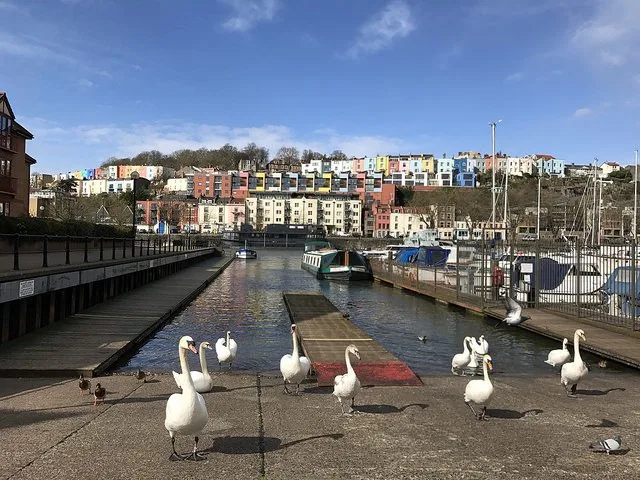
490,365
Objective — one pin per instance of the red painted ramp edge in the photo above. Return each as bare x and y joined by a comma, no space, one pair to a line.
369,373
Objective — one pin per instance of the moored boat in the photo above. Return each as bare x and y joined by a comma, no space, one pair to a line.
246,253
331,264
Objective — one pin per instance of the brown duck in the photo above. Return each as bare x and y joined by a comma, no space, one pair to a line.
84,384
98,394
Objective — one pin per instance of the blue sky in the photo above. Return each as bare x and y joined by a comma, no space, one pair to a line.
99,78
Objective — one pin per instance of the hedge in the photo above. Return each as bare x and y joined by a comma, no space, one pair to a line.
48,226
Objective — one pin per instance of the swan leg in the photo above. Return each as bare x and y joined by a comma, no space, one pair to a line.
297,389
195,456
286,390
474,412
174,455
483,415
572,390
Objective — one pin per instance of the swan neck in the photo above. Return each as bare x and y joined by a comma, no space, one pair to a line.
187,381
295,345
347,360
485,370
576,348
465,345
203,360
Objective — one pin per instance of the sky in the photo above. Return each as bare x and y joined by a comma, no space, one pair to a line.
92,79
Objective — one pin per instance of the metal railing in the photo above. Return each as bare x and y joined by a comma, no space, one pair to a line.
27,252
600,283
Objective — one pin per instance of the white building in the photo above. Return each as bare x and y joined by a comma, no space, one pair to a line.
177,185
94,187
406,224
119,186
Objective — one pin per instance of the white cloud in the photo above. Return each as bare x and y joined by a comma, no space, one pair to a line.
514,77
393,22
29,47
248,13
610,37
583,112
103,141
85,83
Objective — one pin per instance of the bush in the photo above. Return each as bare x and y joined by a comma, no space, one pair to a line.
48,226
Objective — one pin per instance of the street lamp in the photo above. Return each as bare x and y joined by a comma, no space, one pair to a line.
493,176
134,176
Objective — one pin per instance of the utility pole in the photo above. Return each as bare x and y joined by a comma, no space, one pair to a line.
593,213
506,186
493,177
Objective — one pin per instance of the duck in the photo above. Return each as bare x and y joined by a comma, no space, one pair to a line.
460,360
186,412
573,372
84,384
347,386
226,352
293,367
98,394
201,380
140,375
560,356
480,391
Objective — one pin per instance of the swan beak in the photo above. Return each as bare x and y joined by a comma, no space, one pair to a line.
192,347
490,365
357,354
209,347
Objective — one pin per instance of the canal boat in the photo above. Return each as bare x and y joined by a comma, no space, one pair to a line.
246,253
332,264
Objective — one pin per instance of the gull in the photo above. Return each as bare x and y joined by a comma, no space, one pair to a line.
514,312
608,446
423,339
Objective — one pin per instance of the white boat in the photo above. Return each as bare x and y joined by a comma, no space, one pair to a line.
246,253
332,264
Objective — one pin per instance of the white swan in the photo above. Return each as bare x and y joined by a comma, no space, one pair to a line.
483,346
347,386
559,356
480,391
201,380
293,367
460,360
573,372
186,412
473,364
226,352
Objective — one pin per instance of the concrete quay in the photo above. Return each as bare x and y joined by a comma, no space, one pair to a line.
50,431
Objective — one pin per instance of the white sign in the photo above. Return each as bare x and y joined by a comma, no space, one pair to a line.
526,268
26,288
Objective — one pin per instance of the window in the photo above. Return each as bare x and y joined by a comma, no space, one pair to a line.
5,131
4,209
5,167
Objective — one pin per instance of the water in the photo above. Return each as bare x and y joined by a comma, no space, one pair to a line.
246,299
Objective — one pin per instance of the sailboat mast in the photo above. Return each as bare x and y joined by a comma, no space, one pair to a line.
506,186
538,221
593,213
635,197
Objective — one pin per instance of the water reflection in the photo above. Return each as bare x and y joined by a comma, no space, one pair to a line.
246,299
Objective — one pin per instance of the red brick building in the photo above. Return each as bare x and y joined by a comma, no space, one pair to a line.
15,163
211,185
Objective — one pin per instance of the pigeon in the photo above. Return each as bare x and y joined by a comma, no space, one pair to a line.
608,446
84,384
602,363
98,394
140,375
423,339
514,312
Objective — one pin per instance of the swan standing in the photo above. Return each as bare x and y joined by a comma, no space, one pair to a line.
186,412
560,356
480,391
226,352
573,372
347,386
460,360
294,368
202,381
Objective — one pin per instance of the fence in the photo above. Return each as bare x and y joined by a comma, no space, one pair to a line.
25,252
600,282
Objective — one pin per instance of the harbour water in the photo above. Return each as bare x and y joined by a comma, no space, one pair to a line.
246,299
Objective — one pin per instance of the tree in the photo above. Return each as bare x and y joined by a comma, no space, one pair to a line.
623,175
308,155
338,155
67,186
288,155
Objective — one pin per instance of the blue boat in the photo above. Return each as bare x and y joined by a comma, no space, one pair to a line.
424,256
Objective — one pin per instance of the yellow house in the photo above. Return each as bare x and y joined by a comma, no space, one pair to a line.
428,164
382,164
260,181
328,177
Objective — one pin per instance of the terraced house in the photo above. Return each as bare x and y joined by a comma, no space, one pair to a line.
15,163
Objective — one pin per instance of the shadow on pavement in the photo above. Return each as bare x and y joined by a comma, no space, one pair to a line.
598,392
381,409
512,414
249,445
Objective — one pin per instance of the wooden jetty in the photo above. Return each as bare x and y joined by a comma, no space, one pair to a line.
91,341
325,333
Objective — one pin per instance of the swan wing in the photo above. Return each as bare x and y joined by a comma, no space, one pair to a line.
285,363
221,349
511,305
233,348
306,365
176,377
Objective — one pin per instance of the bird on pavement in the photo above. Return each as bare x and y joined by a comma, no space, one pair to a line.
140,375
98,394
84,384
513,312
607,446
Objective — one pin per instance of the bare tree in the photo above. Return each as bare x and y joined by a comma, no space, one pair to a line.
288,154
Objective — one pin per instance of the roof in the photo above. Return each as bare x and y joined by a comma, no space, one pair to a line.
20,130
29,159
545,156
3,95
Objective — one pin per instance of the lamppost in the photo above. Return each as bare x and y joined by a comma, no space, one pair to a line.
134,176
493,177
